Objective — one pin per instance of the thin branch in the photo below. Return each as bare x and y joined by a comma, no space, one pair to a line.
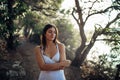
100,12
115,19
96,33
74,16
91,7
107,40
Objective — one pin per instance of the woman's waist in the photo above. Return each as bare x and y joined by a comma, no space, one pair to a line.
52,72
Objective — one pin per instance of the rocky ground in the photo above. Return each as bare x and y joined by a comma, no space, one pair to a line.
25,51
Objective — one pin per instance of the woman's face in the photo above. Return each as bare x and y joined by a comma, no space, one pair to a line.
50,34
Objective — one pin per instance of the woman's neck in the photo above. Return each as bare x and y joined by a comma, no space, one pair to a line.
49,44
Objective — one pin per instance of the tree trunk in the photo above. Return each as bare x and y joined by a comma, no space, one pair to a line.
72,73
83,51
9,25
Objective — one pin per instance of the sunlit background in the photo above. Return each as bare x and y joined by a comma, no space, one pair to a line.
99,47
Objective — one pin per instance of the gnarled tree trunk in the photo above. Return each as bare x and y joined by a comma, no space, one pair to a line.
83,49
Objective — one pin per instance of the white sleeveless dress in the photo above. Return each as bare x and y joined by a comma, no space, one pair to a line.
52,75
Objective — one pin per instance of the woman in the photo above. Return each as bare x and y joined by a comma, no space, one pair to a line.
51,55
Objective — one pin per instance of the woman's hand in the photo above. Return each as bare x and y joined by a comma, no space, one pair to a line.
68,62
65,63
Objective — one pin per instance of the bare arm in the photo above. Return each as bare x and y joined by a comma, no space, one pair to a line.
62,52
42,65
63,55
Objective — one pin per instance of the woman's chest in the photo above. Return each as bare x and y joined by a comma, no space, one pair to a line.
50,52
54,59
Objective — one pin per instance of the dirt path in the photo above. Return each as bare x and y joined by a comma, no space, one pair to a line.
28,59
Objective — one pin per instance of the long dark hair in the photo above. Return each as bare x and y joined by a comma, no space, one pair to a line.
43,38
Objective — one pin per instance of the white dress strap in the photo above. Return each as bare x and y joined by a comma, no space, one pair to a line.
57,47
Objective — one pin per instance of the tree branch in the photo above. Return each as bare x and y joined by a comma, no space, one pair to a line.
79,11
74,16
109,23
100,12
96,33
107,40
91,7
81,23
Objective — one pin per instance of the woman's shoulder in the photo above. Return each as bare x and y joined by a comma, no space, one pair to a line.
38,47
60,44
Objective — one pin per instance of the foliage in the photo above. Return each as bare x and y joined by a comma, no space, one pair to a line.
39,13
112,36
3,51
45,7
29,22
32,24
67,35
103,69
10,10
